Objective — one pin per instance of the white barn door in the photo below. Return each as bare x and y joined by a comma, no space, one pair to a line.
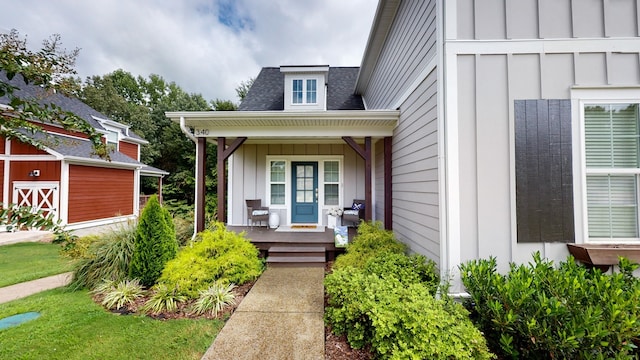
41,196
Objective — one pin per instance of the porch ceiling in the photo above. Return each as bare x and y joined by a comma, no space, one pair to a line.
299,125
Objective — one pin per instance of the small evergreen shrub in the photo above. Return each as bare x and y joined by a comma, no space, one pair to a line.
397,320
155,243
216,255
408,269
539,311
107,258
370,241
81,248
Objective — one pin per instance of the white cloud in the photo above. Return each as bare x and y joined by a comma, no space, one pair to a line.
189,43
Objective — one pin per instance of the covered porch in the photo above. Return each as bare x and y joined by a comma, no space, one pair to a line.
300,165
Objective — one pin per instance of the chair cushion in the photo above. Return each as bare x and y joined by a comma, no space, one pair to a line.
357,206
259,212
351,212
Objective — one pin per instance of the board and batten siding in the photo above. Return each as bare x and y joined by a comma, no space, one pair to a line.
491,79
249,175
546,19
415,202
99,193
409,47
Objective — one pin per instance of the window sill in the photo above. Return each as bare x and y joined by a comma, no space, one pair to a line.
604,255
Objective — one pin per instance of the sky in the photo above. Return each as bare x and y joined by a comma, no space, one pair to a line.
204,46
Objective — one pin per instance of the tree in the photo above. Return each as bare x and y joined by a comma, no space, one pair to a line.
243,88
155,243
49,67
223,105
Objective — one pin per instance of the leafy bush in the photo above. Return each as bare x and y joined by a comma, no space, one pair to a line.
163,299
412,269
81,248
155,243
214,299
123,293
371,240
215,255
108,258
184,230
539,311
399,321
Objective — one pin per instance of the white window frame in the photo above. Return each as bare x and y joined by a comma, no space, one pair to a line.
581,97
286,174
305,90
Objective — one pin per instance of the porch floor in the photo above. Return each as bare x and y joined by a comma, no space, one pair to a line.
265,238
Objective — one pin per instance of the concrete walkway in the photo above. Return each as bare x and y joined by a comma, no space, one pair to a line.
19,291
280,318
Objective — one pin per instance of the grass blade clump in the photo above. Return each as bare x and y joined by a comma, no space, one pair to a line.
108,258
123,293
214,299
163,299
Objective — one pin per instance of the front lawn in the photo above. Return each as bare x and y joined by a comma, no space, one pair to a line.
29,261
72,326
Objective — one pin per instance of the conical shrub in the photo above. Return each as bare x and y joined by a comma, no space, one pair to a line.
155,243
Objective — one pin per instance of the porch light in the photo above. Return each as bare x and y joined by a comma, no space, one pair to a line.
34,173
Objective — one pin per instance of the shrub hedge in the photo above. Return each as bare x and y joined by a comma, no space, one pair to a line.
397,320
539,311
215,255
377,296
370,241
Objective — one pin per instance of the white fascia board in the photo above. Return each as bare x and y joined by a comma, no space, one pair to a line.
543,46
30,158
304,68
134,140
190,116
290,132
101,163
111,123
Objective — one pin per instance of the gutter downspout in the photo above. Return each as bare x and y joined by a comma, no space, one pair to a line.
186,131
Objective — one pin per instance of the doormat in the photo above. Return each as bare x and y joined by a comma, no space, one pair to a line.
300,228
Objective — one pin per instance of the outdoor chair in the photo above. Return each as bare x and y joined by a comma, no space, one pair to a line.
257,213
355,213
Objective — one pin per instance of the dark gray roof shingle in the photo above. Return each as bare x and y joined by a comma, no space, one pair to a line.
267,91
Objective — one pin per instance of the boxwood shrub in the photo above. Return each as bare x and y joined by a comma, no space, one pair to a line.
539,311
372,239
215,255
397,320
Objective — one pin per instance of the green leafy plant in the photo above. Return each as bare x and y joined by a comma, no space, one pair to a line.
155,243
82,247
122,294
543,311
163,299
408,269
214,299
108,258
215,255
397,320
370,241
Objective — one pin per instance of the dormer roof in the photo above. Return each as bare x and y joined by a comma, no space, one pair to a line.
267,91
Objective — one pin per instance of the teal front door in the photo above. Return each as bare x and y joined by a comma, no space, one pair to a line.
305,192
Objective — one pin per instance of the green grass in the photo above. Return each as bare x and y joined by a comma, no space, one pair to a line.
72,326
29,261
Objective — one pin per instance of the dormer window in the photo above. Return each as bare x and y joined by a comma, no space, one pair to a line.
305,91
305,87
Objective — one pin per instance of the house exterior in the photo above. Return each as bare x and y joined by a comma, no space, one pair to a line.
65,178
513,127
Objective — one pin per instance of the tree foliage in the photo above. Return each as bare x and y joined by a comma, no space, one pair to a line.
243,88
50,67
155,243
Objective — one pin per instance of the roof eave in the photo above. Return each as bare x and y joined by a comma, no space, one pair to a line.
382,21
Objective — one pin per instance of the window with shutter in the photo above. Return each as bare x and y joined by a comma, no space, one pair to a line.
611,154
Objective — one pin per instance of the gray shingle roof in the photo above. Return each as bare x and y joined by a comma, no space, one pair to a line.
74,105
63,145
267,91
